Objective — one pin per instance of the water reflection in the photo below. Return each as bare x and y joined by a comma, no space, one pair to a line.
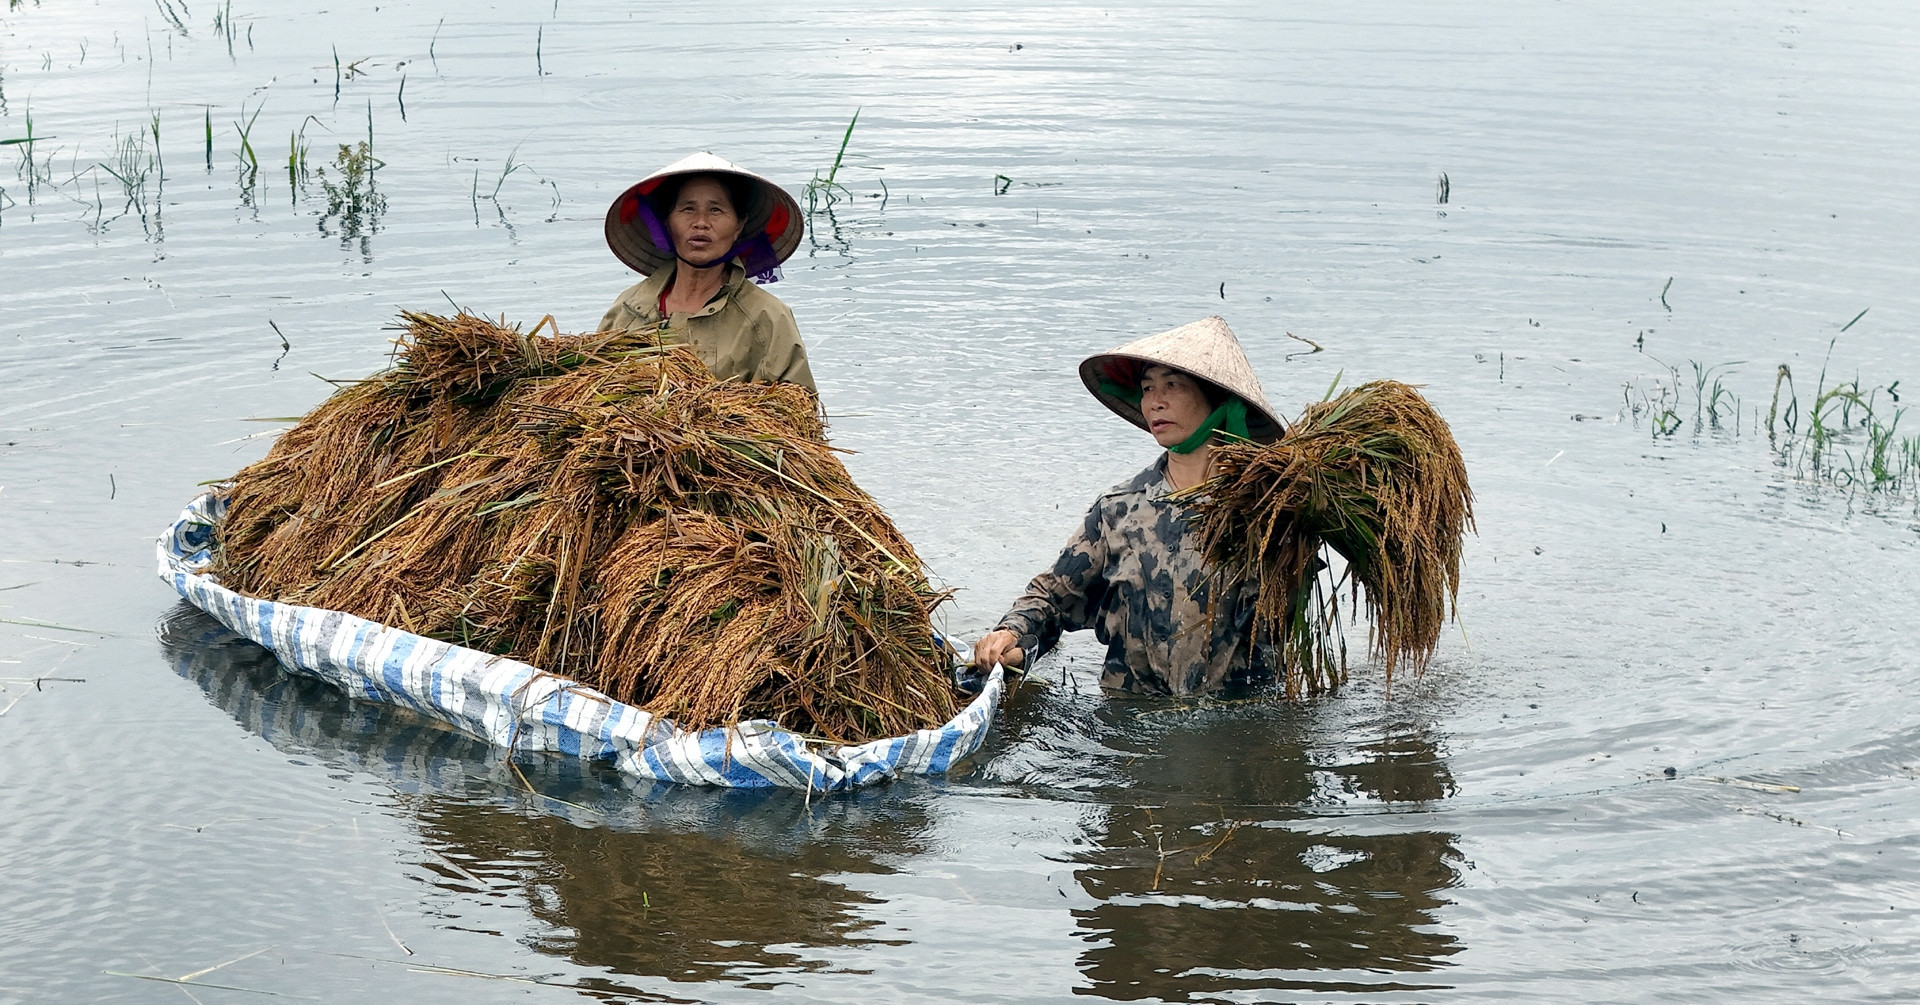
307,717
1221,857
1216,864
1192,903
679,883
735,890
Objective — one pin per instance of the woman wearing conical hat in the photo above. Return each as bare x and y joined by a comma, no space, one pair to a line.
705,232
1133,572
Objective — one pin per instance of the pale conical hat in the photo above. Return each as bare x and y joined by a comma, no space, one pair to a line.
1205,349
639,237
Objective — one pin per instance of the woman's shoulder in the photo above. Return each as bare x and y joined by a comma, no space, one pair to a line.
1139,485
1117,504
755,299
641,301
634,291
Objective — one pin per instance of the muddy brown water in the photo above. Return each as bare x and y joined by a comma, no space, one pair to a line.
1503,828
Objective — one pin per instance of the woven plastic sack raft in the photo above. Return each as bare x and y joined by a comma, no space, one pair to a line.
518,707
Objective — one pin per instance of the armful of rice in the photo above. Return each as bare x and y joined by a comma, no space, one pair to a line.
1375,476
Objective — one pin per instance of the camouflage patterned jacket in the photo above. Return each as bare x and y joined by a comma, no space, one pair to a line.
1134,574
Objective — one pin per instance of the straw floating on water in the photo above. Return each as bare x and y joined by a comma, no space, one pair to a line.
602,507
1373,474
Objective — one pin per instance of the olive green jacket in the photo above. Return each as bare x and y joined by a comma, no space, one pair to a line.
743,333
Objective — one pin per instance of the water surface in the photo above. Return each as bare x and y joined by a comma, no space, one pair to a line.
1502,828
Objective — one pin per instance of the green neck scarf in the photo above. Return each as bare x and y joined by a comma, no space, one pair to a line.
1229,418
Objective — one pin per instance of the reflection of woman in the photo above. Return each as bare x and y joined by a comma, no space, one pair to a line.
1192,906
1133,572
1217,879
700,229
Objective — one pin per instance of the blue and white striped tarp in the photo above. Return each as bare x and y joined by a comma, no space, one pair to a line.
518,707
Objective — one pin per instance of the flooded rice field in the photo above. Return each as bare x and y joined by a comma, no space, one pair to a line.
1671,752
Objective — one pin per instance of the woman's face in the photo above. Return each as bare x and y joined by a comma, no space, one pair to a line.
703,223
1172,403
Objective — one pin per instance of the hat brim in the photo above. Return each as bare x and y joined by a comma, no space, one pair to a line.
773,212
1263,426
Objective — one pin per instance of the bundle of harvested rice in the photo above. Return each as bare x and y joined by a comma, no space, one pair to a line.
1373,474
602,507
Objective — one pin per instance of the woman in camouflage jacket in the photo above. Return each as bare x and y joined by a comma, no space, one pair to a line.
1133,572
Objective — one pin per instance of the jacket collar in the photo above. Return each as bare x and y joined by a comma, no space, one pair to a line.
729,288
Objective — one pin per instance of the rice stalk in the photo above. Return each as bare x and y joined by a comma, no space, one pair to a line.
602,507
1373,474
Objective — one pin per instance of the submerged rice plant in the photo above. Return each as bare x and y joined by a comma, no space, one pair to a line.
135,166
223,25
1658,401
1711,404
824,192
352,199
1846,434
34,170
249,161
1853,439
173,18
512,166
132,164
298,173
159,162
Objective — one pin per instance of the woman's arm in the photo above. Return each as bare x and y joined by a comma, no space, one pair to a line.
622,315
1065,598
786,355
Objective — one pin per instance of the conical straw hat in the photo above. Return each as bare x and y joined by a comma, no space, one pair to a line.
1205,349
639,237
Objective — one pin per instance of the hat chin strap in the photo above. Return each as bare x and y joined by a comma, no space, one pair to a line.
1230,418
755,254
